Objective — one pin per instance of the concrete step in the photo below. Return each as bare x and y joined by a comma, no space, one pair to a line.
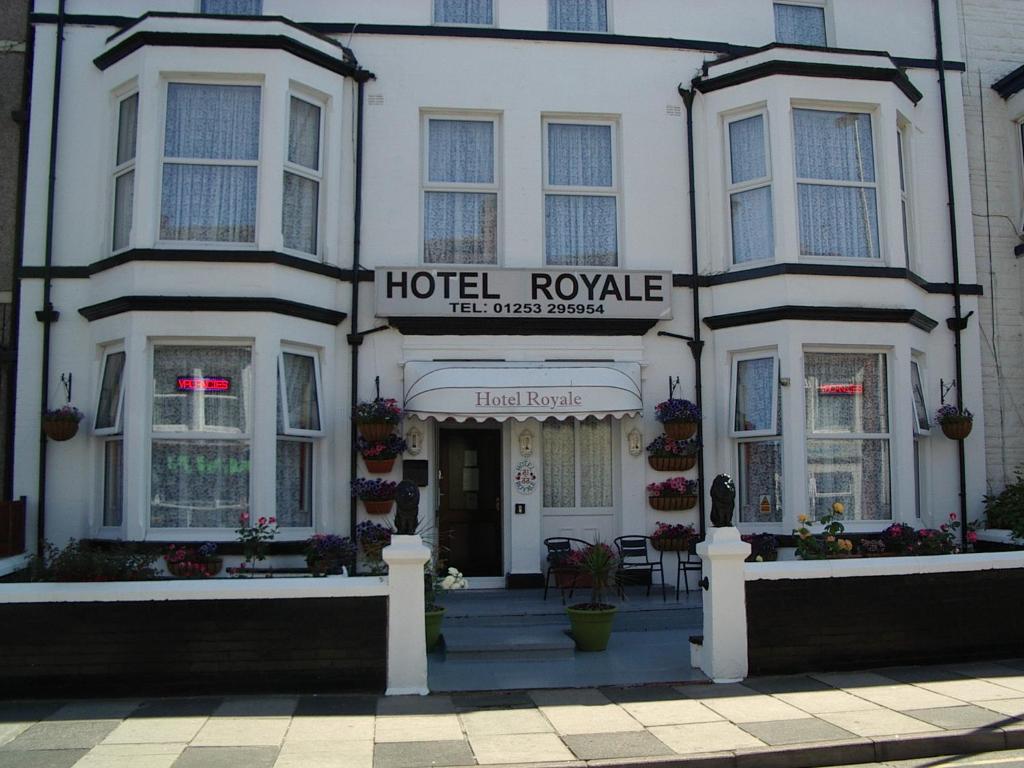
522,643
625,620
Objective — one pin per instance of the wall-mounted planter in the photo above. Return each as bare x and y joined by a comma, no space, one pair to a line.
957,429
671,463
60,429
672,503
378,506
379,466
680,430
375,431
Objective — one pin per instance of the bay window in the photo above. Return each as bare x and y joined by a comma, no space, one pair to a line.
577,463
800,24
578,15
750,191
757,428
469,12
211,157
124,169
108,425
300,213
201,436
580,195
847,433
836,185
460,197
298,424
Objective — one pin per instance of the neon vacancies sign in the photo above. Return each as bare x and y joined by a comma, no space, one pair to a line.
203,384
613,294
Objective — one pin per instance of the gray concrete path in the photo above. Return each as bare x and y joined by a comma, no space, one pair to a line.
871,717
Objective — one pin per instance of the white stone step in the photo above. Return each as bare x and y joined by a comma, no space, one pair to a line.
524,643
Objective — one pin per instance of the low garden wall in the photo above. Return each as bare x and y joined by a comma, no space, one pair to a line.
221,635
846,614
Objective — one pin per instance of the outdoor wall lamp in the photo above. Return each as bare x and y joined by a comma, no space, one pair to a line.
635,441
414,441
525,442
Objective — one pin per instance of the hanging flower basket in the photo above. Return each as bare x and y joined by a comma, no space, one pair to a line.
671,463
680,430
378,506
379,466
957,429
60,429
670,545
672,503
375,431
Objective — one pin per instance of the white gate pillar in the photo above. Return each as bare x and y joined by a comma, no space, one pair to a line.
407,645
723,655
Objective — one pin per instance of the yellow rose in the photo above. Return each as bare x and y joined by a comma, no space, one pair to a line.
838,508
802,519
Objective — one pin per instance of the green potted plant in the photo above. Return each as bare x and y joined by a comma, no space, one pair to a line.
667,454
376,419
592,622
956,424
377,496
435,586
680,417
190,562
62,423
329,554
380,456
674,494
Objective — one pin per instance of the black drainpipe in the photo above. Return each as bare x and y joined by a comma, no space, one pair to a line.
19,245
958,322
355,339
695,344
47,315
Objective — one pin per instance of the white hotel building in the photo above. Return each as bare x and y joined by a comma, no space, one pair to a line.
525,218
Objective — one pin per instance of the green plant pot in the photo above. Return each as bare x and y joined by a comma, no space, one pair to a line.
591,629
433,627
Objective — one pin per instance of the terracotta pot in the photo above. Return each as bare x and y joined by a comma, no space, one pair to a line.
375,431
378,506
957,429
379,466
672,503
60,429
680,430
671,463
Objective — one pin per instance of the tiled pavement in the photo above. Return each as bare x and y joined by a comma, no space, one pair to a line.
822,719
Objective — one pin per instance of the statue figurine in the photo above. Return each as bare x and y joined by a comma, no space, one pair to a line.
723,499
407,497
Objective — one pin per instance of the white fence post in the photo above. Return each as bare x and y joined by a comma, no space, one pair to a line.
723,656
407,646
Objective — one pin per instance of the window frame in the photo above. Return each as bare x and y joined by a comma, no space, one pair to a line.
614,191
117,427
110,435
741,438
286,430
606,31
919,431
480,188
760,354
876,185
733,188
826,14
905,167
302,171
124,168
470,25
167,79
577,507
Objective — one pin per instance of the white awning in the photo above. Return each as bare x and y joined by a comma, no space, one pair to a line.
502,391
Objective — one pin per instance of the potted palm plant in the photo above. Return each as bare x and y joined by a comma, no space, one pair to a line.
592,622
679,416
435,587
376,419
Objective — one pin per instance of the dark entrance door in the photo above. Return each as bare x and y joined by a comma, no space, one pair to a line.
469,518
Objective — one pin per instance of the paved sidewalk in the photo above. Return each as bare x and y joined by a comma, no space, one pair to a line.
806,720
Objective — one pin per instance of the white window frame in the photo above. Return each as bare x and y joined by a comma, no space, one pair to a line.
167,81
759,354
826,8
124,168
905,167
112,434
875,185
748,185
286,429
608,27
809,434
577,507
314,175
494,17
915,364
427,186
117,427
614,191
1018,126
919,447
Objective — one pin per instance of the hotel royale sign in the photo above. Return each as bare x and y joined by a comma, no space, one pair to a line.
522,293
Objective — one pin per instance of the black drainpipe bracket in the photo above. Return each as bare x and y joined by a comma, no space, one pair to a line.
48,315
958,323
696,347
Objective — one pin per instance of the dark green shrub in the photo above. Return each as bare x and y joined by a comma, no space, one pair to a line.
1006,510
87,561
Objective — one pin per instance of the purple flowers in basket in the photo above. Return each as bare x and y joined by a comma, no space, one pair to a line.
389,448
676,486
374,490
675,409
387,411
950,412
665,446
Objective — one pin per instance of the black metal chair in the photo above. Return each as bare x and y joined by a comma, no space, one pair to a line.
634,558
688,561
559,549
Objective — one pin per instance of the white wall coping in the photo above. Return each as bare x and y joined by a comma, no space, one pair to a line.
998,536
883,566
12,564
194,589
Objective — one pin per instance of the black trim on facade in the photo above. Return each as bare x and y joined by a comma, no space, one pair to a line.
201,40
518,326
823,270
811,69
822,314
900,61
1010,84
949,66
124,304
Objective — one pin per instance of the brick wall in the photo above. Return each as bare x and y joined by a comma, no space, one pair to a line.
193,646
798,625
992,31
